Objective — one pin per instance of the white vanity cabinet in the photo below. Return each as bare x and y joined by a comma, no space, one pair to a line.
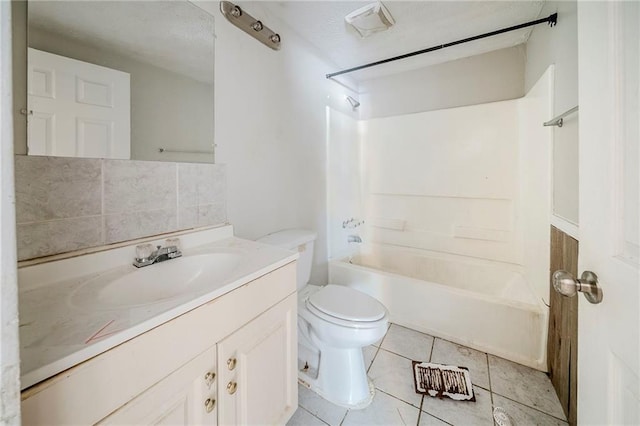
257,369
164,376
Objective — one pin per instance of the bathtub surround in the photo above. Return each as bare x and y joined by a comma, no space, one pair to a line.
471,181
457,205
451,175
67,204
535,184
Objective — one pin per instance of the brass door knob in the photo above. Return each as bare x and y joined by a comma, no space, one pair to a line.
232,387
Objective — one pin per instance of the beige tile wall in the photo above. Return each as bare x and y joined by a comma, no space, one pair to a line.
66,204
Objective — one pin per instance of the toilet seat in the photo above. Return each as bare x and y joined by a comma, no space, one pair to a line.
346,307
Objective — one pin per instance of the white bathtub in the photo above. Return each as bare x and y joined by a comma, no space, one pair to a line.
481,304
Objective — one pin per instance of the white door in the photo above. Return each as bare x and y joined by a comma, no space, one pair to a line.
257,369
608,333
78,109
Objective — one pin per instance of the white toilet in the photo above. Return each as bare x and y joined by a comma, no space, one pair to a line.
334,324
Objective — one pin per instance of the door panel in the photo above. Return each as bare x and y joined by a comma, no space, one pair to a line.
95,138
609,356
96,93
42,130
41,82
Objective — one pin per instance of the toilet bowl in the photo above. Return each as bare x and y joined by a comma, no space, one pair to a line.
339,322
334,324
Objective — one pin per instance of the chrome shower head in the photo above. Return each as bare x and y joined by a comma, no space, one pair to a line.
354,104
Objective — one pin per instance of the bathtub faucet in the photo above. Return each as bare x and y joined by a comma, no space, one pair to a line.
354,239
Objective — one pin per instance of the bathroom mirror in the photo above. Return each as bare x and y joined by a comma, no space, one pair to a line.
120,79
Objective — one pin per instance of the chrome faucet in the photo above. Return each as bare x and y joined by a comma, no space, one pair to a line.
354,239
159,255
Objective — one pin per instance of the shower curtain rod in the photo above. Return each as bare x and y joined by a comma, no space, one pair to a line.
552,20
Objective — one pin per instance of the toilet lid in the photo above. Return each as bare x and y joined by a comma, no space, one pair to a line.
346,303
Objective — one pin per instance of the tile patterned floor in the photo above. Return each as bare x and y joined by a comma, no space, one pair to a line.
526,394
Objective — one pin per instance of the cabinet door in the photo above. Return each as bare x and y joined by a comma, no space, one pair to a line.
258,369
185,397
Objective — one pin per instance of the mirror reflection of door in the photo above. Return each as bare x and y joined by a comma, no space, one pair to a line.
77,109
82,49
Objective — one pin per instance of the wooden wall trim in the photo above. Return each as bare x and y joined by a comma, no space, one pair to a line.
562,344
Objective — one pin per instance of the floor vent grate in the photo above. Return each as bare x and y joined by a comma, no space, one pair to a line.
443,381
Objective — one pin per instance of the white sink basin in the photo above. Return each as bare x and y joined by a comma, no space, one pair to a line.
156,283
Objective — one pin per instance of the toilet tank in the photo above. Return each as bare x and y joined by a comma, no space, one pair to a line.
300,240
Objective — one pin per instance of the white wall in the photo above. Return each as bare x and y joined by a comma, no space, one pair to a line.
490,77
559,46
271,130
9,352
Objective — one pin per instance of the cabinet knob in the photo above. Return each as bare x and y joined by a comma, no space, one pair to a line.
231,363
209,378
209,404
232,387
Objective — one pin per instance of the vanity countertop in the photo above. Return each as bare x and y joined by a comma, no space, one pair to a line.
58,332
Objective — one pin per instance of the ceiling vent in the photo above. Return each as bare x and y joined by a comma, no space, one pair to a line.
370,19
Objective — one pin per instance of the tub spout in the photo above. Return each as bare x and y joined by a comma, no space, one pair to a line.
354,239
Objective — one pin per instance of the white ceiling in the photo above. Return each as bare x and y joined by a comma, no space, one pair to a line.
177,36
419,24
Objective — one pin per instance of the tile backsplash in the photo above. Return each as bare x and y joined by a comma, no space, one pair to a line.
66,204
